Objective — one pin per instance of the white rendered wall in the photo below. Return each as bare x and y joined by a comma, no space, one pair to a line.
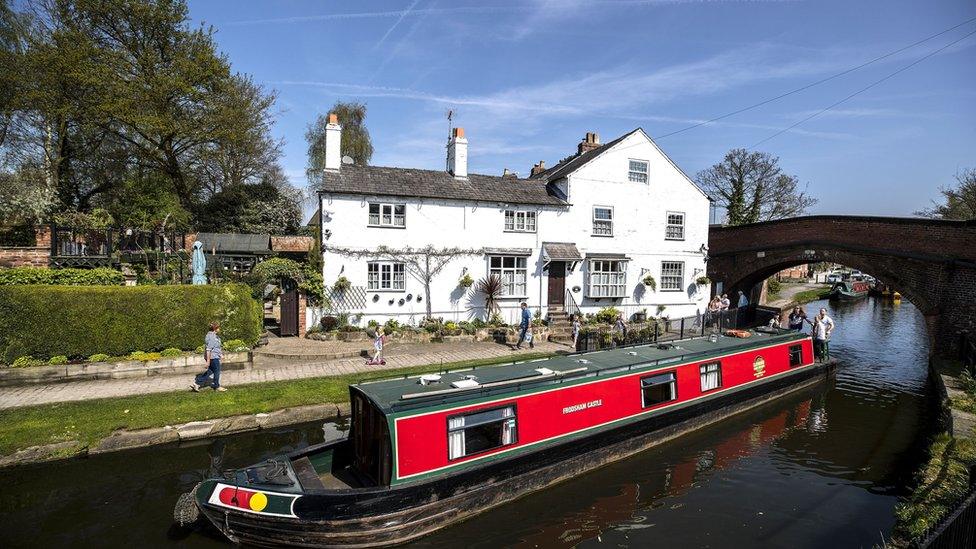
639,228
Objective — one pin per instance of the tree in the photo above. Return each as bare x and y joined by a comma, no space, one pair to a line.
355,142
262,208
959,202
752,187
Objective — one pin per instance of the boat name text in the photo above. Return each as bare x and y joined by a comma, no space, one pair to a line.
582,406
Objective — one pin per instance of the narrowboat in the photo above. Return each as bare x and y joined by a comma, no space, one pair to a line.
850,290
426,451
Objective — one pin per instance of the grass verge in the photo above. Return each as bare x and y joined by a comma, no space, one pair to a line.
807,296
90,421
944,479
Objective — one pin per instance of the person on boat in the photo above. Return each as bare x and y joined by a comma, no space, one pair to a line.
796,319
823,325
576,330
714,308
743,300
524,327
213,352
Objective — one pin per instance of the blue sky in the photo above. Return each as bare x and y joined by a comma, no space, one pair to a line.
529,79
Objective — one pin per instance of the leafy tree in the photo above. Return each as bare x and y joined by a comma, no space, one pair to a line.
752,187
262,208
355,142
958,202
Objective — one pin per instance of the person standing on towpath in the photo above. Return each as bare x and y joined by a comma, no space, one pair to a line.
212,353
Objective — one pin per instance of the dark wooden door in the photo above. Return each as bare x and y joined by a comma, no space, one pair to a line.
289,308
557,283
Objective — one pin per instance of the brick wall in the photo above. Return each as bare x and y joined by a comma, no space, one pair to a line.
31,256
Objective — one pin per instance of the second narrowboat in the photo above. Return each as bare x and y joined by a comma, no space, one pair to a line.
427,451
849,290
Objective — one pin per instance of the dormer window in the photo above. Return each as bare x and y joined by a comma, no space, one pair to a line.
520,222
637,172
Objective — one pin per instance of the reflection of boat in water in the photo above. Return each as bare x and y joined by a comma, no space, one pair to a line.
850,290
428,451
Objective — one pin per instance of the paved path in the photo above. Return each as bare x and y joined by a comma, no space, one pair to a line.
398,356
786,293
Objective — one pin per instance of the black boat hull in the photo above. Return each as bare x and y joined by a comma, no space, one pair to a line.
389,516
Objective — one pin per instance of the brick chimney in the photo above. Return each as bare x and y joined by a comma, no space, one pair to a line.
510,174
333,138
457,154
590,142
538,168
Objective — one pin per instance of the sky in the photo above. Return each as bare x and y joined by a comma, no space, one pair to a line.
528,79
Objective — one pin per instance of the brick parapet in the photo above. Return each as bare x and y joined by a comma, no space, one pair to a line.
26,256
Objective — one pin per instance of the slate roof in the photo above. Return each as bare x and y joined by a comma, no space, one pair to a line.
231,242
413,183
577,161
559,251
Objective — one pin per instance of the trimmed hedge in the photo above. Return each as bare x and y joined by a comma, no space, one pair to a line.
101,276
79,321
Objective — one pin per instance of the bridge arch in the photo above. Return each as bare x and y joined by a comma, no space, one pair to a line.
931,262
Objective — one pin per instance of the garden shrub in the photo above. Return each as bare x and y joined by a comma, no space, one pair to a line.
101,276
75,321
143,356
171,352
58,360
98,357
391,326
26,362
329,323
235,346
607,315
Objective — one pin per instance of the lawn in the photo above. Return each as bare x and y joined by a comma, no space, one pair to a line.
90,421
807,296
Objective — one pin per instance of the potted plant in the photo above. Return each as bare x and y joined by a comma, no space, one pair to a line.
650,282
341,284
492,289
466,281
703,281
640,316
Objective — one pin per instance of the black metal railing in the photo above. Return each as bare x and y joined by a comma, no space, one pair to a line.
956,530
572,309
595,338
84,247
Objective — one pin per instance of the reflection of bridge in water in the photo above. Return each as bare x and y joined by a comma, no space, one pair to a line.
931,262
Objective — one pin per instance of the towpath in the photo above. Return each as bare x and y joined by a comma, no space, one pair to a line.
295,359
789,291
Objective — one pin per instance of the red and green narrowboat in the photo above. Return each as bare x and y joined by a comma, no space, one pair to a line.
850,290
427,451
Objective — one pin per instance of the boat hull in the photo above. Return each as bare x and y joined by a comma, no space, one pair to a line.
389,516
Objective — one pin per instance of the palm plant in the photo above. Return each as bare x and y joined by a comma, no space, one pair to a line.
492,288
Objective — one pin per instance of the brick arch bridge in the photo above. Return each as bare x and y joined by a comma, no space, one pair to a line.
931,262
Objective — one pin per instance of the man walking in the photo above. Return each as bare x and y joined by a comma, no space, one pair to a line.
743,300
524,327
823,325
213,352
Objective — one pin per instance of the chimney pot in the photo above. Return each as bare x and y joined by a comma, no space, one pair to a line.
458,132
333,118
590,142
539,168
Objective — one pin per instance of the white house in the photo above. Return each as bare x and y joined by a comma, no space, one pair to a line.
586,231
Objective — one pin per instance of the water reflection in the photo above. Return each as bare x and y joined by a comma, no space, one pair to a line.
821,467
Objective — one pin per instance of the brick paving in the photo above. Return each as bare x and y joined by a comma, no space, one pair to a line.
397,356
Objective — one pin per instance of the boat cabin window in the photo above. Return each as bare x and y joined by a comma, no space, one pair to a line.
796,355
658,388
480,431
711,376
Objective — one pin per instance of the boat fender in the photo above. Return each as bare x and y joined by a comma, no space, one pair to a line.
186,512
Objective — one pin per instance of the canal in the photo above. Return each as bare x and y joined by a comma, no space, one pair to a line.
821,467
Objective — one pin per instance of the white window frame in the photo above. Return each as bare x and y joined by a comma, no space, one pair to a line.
514,277
634,172
459,424
386,215
385,276
674,221
605,224
659,378
671,282
606,278
710,374
517,221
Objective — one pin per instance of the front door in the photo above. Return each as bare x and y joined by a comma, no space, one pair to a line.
289,308
557,283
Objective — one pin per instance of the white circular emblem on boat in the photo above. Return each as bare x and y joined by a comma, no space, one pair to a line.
759,367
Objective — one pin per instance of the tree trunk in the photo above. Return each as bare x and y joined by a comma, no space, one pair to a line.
427,285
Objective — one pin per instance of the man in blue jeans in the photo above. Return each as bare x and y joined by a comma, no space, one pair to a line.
524,327
213,352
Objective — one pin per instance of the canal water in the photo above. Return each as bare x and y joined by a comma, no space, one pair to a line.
823,467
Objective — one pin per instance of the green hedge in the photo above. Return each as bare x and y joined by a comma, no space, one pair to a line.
79,321
65,277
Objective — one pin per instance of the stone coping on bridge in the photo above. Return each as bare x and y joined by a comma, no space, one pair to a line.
853,218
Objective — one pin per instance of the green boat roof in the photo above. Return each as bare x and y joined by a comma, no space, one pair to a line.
410,393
